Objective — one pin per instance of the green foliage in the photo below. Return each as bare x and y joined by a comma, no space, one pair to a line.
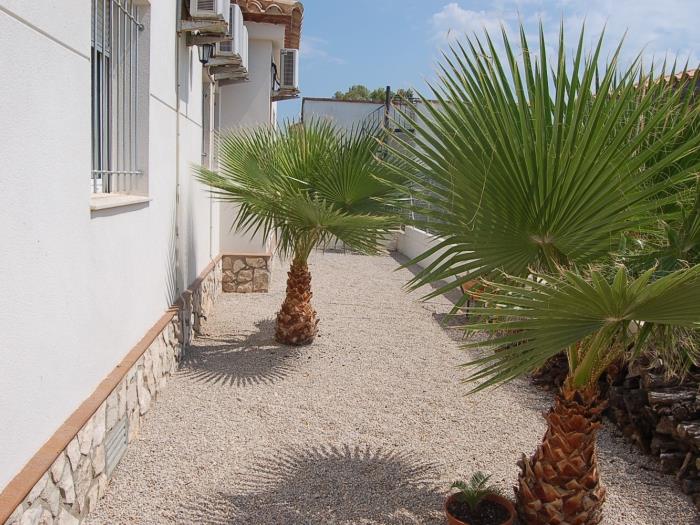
674,241
309,183
360,92
476,490
674,245
356,92
378,95
598,320
675,350
404,94
525,164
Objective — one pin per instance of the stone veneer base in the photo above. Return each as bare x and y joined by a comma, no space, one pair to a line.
71,466
246,273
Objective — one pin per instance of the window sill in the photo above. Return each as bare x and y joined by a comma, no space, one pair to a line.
105,201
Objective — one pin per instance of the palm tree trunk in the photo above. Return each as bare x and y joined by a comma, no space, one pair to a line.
296,320
559,484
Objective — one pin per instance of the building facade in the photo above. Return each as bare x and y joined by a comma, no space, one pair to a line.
113,253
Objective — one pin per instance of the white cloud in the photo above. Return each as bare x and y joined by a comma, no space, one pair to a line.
313,48
656,28
453,22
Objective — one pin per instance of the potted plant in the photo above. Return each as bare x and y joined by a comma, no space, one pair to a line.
478,503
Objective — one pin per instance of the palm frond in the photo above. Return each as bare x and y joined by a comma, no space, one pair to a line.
518,163
674,244
597,320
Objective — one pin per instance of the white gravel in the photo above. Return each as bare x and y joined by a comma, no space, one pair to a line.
368,425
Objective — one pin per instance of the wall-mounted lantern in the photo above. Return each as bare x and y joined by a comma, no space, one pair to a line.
205,51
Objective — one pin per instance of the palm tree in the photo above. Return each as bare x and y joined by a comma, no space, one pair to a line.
311,184
531,175
599,322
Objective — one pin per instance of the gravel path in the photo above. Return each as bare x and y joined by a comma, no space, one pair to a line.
368,425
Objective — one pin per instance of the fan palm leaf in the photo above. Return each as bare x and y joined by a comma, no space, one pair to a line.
520,164
595,319
675,244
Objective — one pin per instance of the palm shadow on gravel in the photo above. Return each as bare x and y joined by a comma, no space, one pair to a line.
326,485
240,360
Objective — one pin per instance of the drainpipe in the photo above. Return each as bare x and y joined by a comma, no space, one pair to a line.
212,87
179,288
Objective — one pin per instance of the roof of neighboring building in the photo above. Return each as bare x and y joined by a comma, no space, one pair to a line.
687,73
287,12
684,75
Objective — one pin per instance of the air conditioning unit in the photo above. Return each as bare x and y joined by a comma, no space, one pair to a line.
289,69
209,8
232,46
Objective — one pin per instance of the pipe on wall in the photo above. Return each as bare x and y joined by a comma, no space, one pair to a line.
179,286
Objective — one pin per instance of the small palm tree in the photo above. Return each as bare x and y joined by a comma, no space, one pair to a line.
474,492
311,184
532,174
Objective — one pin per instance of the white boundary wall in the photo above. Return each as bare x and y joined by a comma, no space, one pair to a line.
413,242
344,114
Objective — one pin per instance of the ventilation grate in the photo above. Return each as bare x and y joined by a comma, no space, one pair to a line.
115,446
206,5
288,68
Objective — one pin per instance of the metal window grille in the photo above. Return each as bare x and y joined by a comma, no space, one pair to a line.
115,28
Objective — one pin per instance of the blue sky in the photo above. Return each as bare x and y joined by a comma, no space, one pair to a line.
396,42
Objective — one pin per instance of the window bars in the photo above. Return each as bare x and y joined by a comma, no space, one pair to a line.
115,68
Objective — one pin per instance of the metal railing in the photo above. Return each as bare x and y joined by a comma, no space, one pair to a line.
396,121
115,88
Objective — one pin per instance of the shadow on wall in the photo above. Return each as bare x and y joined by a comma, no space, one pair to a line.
171,294
185,71
191,250
327,484
241,360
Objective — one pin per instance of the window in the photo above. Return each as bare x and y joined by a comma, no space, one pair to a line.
115,96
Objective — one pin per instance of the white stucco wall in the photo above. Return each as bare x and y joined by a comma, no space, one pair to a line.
344,114
81,288
413,242
247,104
